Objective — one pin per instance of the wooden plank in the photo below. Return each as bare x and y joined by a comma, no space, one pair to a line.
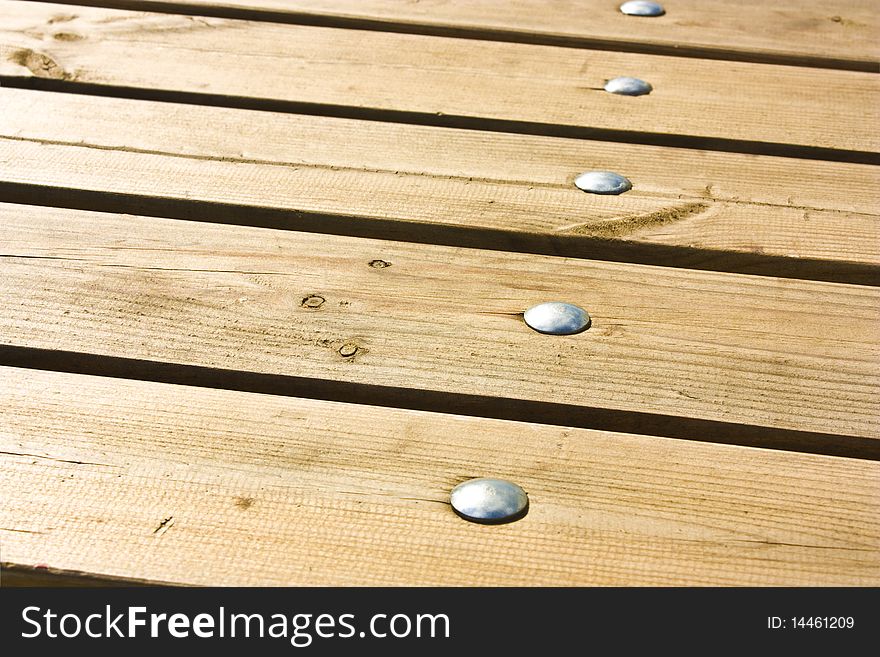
422,77
517,184
147,481
841,32
788,354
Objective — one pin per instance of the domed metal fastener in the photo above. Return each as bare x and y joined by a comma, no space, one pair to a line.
489,501
642,8
557,318
602,182
628,87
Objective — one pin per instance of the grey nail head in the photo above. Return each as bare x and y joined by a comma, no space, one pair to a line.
489,500
628,87
602,182
642,8
557,318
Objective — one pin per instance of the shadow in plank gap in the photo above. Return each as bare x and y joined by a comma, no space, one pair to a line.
747,34
792,354
489,190
155,482
40,576
570,246
445,120
480,84
521,410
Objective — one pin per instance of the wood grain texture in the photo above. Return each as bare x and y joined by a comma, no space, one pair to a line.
516,184
770,352
147,481
424,76
838,30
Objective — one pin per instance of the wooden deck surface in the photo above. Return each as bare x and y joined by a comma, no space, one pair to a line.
263,266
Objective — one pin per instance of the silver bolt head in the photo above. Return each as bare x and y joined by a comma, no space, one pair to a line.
557,318
602,182
628,87
642,8
489,500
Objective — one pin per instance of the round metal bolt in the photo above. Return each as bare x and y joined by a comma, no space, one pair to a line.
628,87
642,8
602,182
489,501
557,318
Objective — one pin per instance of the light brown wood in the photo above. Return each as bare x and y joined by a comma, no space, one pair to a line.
147,481
425,75
771,352
803,30
134,479
414,174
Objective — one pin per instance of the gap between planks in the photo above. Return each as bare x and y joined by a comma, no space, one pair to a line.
577,246
717,349
749,32
444,120
40,575
162,483
584,417
694,209
474,84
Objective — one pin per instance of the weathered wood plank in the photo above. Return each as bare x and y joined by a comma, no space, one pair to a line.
840,30
150,481
778,353
422,76
516,184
